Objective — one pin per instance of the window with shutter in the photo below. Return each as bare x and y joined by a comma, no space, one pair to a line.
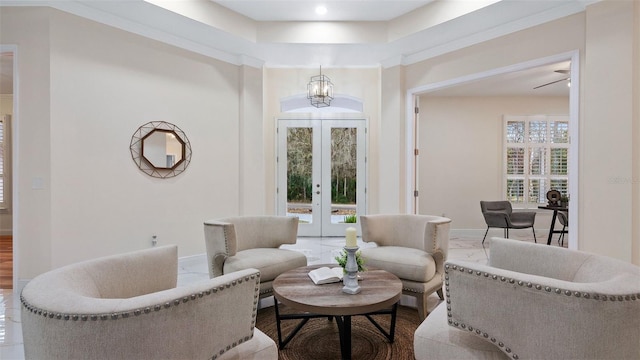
536,150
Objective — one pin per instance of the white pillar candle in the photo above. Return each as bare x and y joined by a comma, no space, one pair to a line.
351,237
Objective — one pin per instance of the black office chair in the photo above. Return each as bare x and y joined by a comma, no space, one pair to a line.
563,217
500,214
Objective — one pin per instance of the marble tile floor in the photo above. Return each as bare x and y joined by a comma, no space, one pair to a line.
194,268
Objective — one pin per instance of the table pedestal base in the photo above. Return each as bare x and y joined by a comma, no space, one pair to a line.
344,326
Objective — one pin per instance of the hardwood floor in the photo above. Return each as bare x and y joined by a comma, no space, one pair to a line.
6,262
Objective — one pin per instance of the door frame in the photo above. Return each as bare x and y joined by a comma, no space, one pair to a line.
324,227
574,126
17,287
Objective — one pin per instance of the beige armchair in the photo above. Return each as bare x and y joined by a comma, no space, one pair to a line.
413,247
238,243
535,302
128,307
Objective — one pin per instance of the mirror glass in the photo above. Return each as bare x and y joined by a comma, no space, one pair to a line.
163,149
160,149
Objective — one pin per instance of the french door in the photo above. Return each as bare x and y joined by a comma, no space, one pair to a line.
321,174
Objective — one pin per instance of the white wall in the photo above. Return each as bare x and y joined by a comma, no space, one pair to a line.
6,104
252,194
525,45
606,36
460,142
391,143
85,89
100,95
28,28
607,124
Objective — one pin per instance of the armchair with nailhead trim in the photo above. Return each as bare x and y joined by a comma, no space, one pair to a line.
534,301
128,307
241,242
412,247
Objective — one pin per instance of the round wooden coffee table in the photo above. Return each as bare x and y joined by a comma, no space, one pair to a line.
379,294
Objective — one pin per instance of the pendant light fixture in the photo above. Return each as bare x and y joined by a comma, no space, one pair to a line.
320,90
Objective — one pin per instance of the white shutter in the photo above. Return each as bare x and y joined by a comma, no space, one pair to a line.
536,151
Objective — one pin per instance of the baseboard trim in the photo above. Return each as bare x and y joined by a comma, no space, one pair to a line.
466,232
493,232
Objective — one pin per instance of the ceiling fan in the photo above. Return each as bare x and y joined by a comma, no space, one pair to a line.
565,72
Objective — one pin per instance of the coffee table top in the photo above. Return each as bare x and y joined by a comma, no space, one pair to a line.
379,290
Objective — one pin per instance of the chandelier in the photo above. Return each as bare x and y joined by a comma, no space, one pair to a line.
320,90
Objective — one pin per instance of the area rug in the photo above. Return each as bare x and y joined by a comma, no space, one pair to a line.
318,339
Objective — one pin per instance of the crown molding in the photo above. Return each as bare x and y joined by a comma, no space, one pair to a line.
209,37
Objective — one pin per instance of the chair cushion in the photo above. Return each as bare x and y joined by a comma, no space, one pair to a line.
405,263
435,339
271,262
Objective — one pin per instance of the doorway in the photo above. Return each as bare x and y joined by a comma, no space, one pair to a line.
8,95
322,174
482,79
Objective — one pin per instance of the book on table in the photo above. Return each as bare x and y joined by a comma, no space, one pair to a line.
326,275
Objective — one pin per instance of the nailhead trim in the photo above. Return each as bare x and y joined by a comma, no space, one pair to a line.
558,291
157,307
413,290
434,239
226,236
266,291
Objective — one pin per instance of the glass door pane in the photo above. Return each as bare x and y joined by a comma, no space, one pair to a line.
343,175
299,166
321,174
299,159
343,169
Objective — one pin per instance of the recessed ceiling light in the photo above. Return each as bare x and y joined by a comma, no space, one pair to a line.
321,10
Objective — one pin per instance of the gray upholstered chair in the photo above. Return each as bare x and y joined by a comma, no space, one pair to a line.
413,247
500,214
563,217
238,243
534,301
128,307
